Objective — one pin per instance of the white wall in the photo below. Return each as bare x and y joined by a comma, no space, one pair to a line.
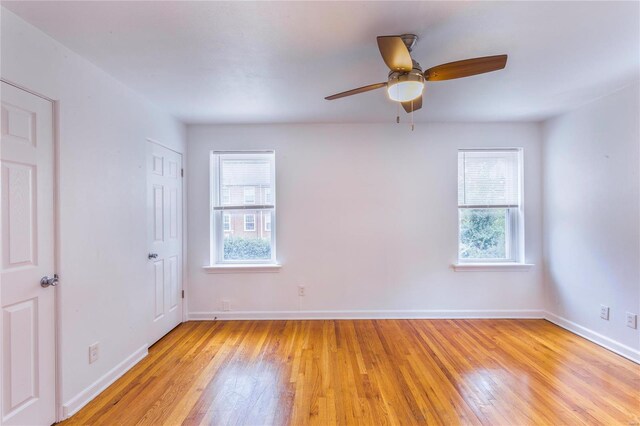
367,221
103,128
591,218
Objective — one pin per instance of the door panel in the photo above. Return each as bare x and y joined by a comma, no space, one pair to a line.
158,212
20,224
173,282
28,332
165,238
20,325
158,272
173,213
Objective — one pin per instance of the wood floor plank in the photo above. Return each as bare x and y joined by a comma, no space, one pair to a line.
371,372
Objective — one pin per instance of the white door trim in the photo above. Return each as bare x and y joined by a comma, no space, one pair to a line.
55,114
184,231
21,87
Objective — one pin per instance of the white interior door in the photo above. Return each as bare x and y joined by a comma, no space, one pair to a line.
164,230
28,315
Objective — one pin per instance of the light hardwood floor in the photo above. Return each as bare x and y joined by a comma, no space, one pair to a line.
498,372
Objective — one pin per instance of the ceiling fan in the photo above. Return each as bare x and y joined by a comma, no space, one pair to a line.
406,79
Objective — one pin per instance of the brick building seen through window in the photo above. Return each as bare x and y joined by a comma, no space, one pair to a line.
251,223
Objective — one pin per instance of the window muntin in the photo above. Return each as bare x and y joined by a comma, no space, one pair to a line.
490,206
245,236
267,196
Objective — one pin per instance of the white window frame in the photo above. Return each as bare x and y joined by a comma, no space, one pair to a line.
251,191
253,222
267,196
217,209
514,232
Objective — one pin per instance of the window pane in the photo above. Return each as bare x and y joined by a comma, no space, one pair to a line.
247,238
488,178
243,179
483,233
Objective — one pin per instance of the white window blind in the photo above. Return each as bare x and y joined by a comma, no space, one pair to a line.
488,178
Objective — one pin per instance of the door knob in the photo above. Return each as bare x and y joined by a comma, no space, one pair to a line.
46,281
153,255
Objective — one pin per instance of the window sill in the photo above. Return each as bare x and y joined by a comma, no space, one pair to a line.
491,267
240,268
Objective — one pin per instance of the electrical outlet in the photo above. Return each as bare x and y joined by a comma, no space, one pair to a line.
632,320
226,306
300,290
94,352
604,312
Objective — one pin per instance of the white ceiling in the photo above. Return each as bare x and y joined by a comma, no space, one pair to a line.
257,62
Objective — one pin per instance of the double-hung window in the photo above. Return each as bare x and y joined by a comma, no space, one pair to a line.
249,194
226,196
490,206
249,222
240,233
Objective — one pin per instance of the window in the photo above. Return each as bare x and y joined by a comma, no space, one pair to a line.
226,196
267,196
249,222
489,206
249,195
238,236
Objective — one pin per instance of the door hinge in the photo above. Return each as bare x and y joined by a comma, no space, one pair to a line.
181,172
183,294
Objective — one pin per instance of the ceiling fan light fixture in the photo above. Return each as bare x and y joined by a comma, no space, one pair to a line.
404,87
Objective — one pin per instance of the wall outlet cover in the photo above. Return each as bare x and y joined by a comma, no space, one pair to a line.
632,320
604,312
94,352
226,306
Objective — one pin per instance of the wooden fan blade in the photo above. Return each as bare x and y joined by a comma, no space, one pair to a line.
395,53
413,105
356,91
466,68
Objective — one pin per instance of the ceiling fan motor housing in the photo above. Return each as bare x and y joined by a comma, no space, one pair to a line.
415,74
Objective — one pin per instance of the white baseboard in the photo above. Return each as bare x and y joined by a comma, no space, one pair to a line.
406,314
83,398
597,338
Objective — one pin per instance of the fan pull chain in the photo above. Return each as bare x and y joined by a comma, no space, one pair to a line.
397,112
412,126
